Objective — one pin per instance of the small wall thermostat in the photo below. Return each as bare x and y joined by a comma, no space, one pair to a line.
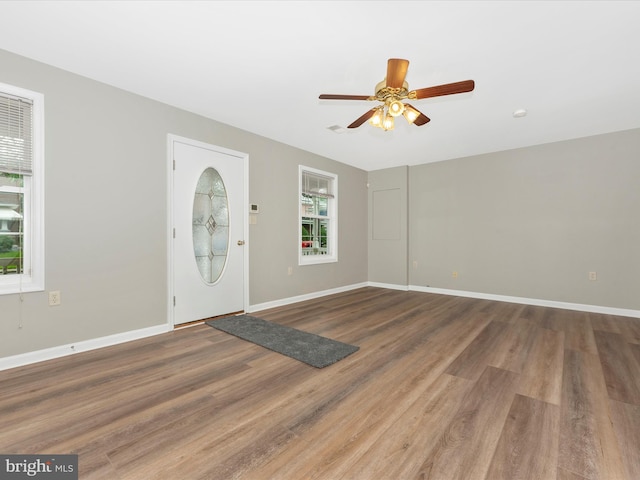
253,208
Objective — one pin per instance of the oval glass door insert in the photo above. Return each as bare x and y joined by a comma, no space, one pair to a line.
210,225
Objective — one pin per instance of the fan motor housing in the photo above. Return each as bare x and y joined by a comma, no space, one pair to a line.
383,92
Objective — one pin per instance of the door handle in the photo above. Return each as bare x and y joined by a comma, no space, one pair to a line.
240,242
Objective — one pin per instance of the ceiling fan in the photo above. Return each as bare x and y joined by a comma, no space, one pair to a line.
392,91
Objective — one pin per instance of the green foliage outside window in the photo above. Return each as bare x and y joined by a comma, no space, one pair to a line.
6,244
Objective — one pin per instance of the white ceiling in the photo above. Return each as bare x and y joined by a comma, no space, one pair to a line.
260,66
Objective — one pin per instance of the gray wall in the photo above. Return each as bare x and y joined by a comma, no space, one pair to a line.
274,239
530,222
388,247
533,222
106,218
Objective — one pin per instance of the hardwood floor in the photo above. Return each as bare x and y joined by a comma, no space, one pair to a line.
441,388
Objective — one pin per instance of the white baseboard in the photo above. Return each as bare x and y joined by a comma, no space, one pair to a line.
459,293
389,285
86,345
623,312
82,346
92,344
300,298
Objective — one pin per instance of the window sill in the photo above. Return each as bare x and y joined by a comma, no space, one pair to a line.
316,259
15,287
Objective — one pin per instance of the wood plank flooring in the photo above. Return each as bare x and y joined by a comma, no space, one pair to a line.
442,388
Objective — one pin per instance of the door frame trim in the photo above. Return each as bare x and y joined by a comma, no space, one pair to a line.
171,141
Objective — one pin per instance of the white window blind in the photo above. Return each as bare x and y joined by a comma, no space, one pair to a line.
16,134
317,185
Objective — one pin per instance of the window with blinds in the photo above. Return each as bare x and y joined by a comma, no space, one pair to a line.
318,216
16,134
21,190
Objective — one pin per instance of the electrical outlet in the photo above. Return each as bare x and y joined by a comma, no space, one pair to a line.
454,274
415,264
54,298
593,276
290,271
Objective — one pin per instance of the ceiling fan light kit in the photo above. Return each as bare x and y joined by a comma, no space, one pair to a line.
410,113
378,116
392,91
388,122
396,107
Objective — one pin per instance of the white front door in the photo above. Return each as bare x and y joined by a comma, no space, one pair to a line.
208,234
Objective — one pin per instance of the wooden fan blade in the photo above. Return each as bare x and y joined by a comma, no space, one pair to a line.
396,72
440,90
328,96
363,118
421,119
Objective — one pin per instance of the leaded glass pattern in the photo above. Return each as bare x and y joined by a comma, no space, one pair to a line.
210,225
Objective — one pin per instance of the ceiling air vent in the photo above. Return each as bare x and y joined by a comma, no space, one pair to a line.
337,129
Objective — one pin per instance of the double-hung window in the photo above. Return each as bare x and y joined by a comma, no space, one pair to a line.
21,190
318,240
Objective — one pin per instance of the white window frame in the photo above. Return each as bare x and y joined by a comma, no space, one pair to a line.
32,277
331,218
